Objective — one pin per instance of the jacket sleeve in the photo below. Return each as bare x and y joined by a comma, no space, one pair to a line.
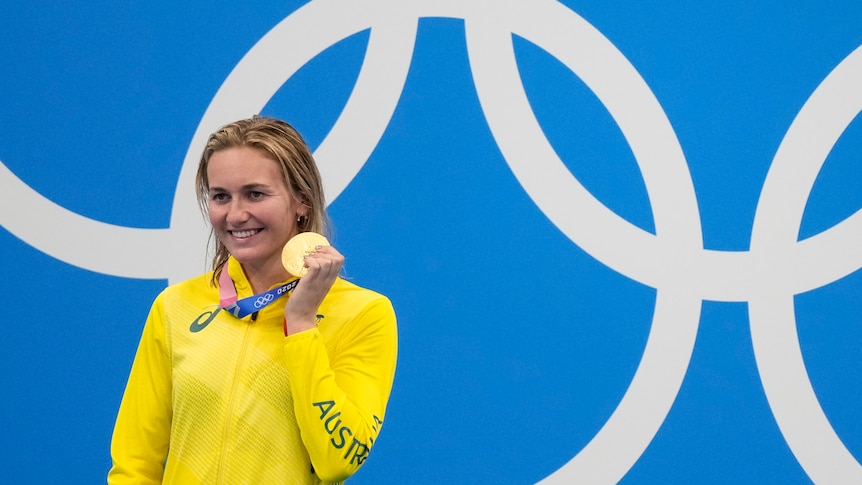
139,446
340,399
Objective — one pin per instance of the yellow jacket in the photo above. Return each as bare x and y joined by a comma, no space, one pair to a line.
212,399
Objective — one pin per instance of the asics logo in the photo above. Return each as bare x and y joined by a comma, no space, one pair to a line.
203,320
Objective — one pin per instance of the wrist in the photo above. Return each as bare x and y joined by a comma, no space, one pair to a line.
296,325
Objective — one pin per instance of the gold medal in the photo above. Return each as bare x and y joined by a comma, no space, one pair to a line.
297,248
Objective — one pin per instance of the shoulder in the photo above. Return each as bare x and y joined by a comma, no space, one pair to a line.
199,287
351,314
351,304
350,293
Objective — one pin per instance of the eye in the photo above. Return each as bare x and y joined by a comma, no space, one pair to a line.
256,195
219,197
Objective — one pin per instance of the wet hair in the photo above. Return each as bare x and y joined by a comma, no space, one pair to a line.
277,140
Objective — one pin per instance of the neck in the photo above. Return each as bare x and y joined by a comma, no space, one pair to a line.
262,279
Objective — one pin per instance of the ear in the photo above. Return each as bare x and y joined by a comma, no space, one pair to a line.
301,213
303,208
300,205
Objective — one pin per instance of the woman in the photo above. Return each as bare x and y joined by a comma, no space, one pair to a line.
292,392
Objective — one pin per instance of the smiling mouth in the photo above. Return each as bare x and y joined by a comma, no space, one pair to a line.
244,234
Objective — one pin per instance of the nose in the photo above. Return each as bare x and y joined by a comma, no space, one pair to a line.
237,212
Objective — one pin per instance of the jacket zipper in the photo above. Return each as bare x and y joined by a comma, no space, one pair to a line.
228,426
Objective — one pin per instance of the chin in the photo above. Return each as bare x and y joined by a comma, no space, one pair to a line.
244,255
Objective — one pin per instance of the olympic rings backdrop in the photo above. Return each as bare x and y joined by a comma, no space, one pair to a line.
623,239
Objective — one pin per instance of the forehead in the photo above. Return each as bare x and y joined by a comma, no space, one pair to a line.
241,166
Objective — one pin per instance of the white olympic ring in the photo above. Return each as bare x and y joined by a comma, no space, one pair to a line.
673,261
810,138
263,300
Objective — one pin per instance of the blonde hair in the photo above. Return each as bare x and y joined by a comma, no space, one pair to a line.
281,142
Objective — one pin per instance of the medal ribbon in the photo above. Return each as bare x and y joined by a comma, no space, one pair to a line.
247,306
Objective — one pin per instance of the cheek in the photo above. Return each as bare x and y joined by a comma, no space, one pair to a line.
215,215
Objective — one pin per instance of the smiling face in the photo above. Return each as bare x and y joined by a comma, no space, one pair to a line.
251,210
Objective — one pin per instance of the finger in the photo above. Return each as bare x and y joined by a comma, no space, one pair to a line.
323,271
325,257
321,267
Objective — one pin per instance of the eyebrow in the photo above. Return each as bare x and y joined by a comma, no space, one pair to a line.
247,187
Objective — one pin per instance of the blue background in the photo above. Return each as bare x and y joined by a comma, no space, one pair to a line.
515,344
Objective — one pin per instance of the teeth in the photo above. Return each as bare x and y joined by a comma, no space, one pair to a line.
244,234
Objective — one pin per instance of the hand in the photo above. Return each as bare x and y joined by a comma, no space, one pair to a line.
300,312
